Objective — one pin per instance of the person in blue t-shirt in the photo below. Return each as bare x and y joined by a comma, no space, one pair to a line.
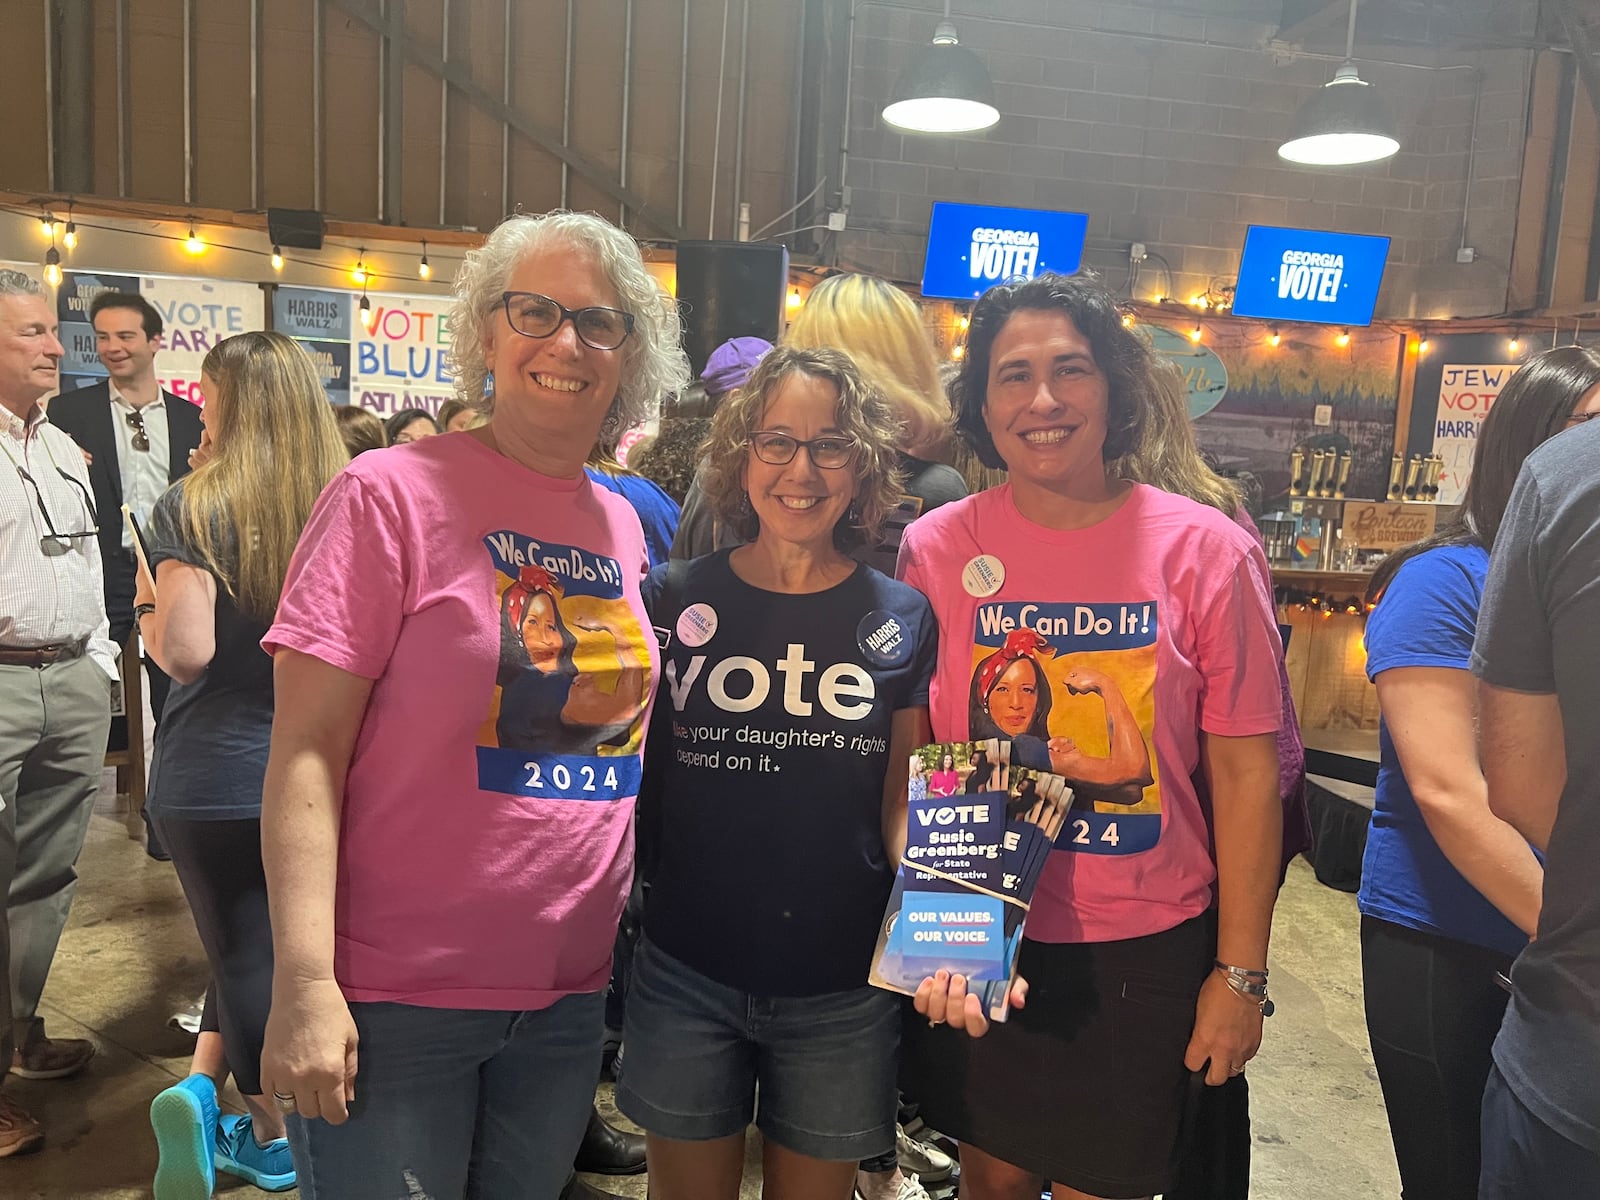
1450,893
795,686
658,512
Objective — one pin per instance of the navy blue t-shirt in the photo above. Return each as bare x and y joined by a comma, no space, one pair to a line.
211,746
1427,618
772,875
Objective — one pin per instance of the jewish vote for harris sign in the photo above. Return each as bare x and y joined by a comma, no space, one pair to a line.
972,247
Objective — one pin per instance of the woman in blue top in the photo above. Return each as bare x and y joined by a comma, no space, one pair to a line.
1449,892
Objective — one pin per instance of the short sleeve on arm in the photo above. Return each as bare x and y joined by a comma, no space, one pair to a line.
924,656
1513,646
652,587
906,567
164,533
1239,648
1427,615
348,586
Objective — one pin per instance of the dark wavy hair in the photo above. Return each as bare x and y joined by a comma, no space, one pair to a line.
1125,357
395,424
1532,408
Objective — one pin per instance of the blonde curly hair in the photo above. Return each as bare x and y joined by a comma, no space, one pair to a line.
881,328
862,415
653,362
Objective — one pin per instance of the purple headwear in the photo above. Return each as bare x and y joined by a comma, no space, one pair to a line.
732,363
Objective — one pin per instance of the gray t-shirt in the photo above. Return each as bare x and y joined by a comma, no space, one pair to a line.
1539,631
211,748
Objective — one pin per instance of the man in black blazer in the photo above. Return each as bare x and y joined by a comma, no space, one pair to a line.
138,438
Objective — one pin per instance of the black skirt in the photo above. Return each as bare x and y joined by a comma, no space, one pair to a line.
1086,1085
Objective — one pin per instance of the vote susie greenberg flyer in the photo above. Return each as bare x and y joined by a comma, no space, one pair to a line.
979,833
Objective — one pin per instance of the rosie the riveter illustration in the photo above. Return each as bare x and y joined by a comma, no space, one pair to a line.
556,698
1011,698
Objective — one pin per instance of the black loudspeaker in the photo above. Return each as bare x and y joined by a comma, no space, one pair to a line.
728,290
300,228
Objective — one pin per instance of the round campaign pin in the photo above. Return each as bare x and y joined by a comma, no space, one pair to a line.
883,639
983,576
697,624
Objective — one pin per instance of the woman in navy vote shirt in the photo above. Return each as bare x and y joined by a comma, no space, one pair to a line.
797,680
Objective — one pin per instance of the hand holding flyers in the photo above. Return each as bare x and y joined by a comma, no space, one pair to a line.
973,858
943,998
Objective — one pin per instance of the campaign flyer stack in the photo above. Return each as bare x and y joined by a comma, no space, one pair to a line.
979,833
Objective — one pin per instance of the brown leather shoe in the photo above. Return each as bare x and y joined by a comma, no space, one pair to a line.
19,1133
51,1058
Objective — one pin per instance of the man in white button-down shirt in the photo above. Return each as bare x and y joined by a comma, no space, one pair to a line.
57,667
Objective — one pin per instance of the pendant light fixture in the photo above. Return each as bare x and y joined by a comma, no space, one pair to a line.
1345,122
945,89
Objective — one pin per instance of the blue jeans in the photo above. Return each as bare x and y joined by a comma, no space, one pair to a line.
1523,1158
458,1103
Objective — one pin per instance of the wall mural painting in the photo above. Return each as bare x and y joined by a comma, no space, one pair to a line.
1253,402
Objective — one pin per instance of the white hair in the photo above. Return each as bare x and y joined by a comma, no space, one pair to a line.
653,362
15,283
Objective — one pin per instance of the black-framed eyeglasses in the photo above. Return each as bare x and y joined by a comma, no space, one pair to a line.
54,544
1580,418
779,449
141,436
536,316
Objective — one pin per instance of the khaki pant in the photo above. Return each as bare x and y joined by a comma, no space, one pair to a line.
53,723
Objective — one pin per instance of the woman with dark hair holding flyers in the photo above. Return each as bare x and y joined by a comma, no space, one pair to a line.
1450,892
1162,608
445,883
798,683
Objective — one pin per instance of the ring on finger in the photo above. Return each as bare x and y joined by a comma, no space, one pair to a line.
284,1102
1236,1070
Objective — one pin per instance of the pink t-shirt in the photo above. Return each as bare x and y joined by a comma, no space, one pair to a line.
1104,651
486,845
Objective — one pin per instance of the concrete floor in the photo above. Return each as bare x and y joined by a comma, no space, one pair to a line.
130,958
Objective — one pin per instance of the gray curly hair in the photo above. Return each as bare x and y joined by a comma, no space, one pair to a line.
15,283
653,362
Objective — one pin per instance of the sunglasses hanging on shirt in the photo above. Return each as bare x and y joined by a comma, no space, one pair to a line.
141,437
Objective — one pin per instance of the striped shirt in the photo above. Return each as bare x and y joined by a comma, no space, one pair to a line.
49,598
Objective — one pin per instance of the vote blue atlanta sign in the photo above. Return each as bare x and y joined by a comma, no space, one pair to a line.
1309,275
972,247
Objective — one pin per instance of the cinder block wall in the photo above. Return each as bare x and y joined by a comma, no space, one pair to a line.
1174,143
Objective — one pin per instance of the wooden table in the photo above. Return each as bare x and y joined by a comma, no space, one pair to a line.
1346,754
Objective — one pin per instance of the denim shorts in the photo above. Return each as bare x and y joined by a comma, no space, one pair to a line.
697,1052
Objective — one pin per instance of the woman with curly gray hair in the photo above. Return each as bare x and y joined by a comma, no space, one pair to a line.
798,685
447,824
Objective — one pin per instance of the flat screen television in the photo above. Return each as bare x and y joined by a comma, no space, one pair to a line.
972,247
1309,275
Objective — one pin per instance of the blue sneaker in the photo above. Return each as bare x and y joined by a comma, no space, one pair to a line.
269,1167
184,1118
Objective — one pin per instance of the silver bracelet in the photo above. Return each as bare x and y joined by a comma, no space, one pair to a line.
1252,990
